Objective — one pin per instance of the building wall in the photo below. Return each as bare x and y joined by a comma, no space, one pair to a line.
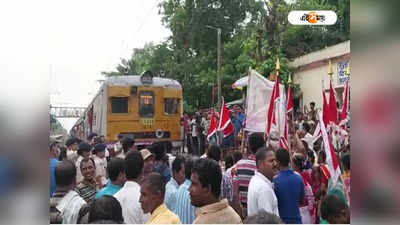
311,69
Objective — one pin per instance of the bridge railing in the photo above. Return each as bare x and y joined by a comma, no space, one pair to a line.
67,112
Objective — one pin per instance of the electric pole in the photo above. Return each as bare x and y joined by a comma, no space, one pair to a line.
219,66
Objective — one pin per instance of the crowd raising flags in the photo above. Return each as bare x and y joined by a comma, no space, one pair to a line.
224,124
330,116
275,180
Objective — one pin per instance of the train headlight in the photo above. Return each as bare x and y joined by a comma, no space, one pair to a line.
159,133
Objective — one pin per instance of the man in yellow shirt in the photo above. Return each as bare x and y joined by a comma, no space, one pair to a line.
152,193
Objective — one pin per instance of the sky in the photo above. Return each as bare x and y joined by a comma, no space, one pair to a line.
79,40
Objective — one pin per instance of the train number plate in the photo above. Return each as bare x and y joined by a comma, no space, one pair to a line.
147,121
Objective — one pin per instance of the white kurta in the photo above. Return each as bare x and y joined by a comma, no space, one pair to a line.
69,207
261,196
128,197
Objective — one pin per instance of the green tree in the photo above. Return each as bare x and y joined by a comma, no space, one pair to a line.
254,34
300,40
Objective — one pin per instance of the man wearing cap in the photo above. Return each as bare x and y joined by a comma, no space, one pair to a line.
72,148
84,153
148,158
54,149
101,164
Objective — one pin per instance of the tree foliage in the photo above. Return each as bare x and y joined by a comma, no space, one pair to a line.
254,34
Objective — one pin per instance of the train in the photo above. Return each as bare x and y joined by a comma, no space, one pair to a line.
146,108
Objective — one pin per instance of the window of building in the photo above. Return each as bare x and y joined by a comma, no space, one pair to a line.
171,105
119,104
146,104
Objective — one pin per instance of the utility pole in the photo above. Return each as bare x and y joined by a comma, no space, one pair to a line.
219,62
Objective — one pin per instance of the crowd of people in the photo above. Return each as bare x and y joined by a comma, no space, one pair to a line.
196,126
205,185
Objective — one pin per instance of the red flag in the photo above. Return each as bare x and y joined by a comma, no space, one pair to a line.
332,105
325,108
213,126
332,161
289,107
271,109
345,107
229,130
224,121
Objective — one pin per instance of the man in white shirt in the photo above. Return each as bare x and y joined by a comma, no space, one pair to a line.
101,164
261,195
129,194
306,135
128,144
195,134
118,145
65,203
72,148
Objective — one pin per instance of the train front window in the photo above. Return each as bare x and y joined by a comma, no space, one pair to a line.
171,105
119,105
146,104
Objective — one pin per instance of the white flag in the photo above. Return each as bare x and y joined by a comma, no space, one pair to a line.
259,91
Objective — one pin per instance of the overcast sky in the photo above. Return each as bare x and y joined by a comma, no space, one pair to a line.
72,42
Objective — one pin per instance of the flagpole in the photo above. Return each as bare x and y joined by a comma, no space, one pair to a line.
245,108
219,141
330,73
278,67
333,125
290,84
291,93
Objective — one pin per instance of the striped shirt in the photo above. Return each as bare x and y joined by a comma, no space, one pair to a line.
184,208
55,215
68,205
86,191
245,169
170,194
